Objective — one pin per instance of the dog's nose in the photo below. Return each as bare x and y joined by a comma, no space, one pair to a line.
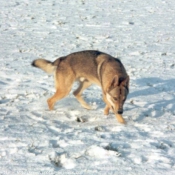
120,111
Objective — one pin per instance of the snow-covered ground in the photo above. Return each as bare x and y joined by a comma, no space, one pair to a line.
73,140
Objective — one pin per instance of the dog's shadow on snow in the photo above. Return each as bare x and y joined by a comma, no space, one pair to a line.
153,88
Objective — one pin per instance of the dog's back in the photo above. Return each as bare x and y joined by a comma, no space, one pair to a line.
88,63
83,64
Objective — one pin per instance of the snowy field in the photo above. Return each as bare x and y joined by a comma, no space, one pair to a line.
70,139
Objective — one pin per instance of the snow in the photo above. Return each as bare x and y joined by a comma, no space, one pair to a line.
70,139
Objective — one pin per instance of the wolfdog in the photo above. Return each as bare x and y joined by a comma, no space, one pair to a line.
89,67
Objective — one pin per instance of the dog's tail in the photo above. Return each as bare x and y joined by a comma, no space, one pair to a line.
47,66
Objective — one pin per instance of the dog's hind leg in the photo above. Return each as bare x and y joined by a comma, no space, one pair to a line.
59,94
77,93
63,87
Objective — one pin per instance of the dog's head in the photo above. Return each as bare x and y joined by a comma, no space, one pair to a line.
117,93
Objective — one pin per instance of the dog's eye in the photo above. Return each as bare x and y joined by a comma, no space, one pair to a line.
115,98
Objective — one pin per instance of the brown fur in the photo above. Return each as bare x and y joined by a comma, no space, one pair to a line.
89,67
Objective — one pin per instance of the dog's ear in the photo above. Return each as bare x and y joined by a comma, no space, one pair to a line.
115,81
125,82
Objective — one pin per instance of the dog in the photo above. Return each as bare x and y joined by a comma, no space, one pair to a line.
89,67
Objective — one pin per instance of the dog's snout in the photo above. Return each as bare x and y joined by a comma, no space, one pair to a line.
120,111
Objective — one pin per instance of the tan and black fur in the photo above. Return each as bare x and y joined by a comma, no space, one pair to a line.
89,67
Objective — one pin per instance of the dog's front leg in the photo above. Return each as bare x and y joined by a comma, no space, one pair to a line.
106,110
107,107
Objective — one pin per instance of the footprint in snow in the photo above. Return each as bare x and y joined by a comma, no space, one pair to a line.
34,149
85,118
2,101
82,119
54,143
62,160
101,153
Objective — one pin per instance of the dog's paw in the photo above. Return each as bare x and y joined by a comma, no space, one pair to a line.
120,119
106,112
50,105
86,106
